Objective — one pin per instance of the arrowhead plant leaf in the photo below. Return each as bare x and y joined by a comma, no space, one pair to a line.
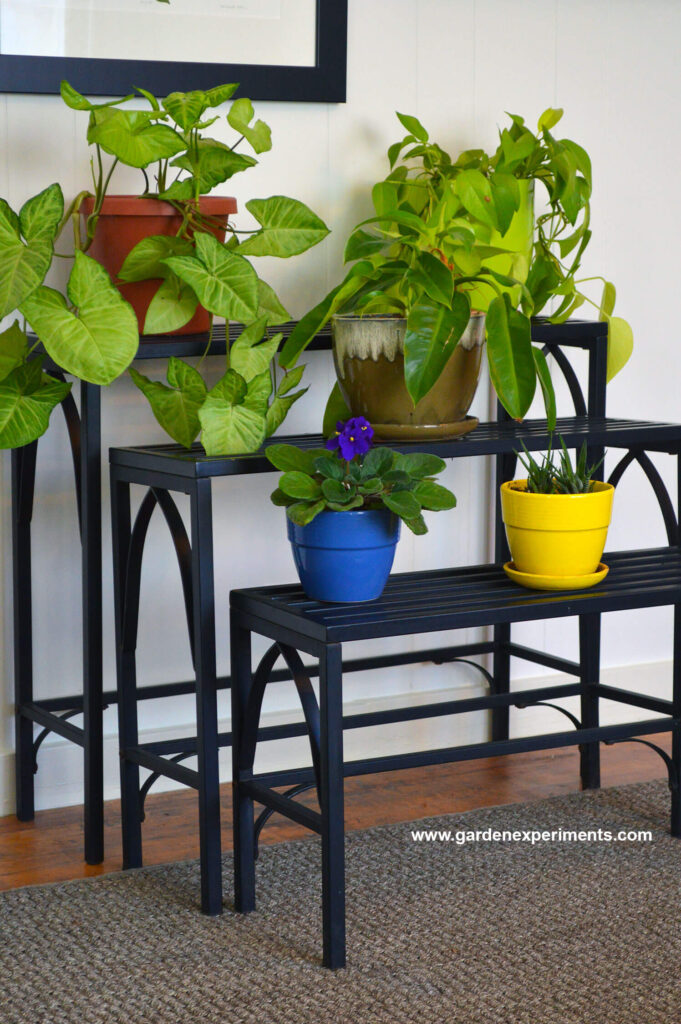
23,264
225,283
229,426
288,227
176,406
27,398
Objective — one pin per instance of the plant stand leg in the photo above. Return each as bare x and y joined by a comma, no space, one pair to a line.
589,663
242,809
675,781
23,482
126,671
331,801
206,697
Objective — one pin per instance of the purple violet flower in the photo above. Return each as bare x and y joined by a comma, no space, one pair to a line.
354,437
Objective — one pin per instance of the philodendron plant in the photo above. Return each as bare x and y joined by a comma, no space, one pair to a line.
349,474
428,242
88,330
242,408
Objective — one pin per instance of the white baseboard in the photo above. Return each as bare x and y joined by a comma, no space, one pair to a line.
59,782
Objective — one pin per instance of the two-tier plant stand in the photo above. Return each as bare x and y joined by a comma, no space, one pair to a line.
417,603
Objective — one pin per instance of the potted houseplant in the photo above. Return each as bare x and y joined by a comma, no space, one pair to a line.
440,244
557,522
196,266
344,505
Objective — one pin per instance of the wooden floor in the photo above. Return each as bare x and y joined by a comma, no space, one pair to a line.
49,849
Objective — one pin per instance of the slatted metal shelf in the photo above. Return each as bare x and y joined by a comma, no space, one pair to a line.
443,599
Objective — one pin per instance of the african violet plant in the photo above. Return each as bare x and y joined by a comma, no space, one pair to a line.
429,241
350,474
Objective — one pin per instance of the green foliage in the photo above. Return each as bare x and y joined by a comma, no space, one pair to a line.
317,480
427,244
545,477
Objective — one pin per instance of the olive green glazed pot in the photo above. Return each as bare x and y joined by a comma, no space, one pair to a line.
369,355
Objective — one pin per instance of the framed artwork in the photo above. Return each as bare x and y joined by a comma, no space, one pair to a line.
275,49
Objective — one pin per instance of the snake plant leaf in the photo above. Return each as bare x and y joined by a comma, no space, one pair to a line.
257,134
269,305
225,283
130,136
185,108
96,343
172,306
433,332
176,407
248,357
23,264
288,227
546,384
620,344
13,349
144,261
336,409
229,426
475,193
434,496
27,398
509,353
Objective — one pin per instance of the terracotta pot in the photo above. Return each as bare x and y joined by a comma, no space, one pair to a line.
126,220
369,357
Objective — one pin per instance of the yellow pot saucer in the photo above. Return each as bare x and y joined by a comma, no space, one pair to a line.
539,582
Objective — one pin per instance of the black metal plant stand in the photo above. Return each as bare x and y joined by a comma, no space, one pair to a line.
54,714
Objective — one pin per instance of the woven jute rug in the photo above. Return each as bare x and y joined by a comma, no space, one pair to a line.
555,932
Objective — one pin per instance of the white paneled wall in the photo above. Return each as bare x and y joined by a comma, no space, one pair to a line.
458,65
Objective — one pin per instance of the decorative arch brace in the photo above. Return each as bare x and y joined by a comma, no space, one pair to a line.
656,482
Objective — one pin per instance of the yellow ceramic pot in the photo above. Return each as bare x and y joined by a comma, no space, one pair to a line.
556,534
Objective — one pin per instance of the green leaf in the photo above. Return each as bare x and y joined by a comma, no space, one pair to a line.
303,513
620,344
509,352
258,134
13,349
403,504
374,485
376,462
435,278
270,306
328,467
544,377
290,380
289,227
186,108
434,496
176,407
225,283
277,497
607,300
23,266
76,101
549,119
286,457
336,409
128,135
219,94
27,398
284,399
417,525
475,193
414,126
419,465
258,394
306,329
299,485
361,244
216,164
229,426
172,306
432,335
506,194
99,341
144,261
333,490
249,358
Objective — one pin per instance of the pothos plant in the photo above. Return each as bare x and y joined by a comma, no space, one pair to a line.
180,163
428,242
350,475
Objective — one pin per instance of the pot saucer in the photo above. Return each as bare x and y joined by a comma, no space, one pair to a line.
540,582
414,432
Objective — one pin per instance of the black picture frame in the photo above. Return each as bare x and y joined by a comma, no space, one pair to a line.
325,82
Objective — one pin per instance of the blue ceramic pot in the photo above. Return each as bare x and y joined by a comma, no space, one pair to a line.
345,556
